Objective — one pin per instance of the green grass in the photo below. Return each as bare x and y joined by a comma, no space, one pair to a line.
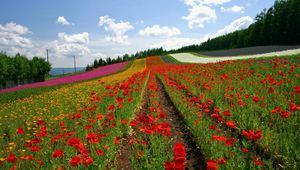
169,59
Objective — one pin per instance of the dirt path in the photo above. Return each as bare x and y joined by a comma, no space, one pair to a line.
123,157
180,132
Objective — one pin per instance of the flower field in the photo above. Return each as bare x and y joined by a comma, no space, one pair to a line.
239,114
197,58
105,70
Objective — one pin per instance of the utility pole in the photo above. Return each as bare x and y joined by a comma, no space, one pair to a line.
74,63
47,55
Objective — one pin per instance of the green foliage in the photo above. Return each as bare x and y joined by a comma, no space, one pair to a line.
279,25
20,70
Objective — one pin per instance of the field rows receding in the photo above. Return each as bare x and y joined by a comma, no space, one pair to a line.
199,58
227,115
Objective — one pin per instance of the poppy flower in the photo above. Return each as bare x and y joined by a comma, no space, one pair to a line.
87,160
212,165
99,152
255,99
245,150
227,113
119,100
11,158
57,153
27,157
75,161
285,114
35,148
258,162
169,165
111,107
20,131
231,124
222,161
294,107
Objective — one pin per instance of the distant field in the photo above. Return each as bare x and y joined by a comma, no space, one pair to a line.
58,71
73,78
194,58
248,50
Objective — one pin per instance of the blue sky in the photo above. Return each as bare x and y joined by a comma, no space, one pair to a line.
99,28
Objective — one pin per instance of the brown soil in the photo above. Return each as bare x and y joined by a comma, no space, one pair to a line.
180,132
123,156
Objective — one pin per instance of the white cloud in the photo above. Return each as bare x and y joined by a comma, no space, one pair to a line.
62,49
69,45
13,37
157,30
235,9
237,24
63,21
75,38
14,29
117,30
200,14
175,43
205,2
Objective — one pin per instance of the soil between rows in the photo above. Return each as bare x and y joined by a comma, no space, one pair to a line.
180,132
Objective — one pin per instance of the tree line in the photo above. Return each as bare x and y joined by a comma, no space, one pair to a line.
279,25
126,57
19,69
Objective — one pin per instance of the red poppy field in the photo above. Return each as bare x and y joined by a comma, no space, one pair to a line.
241,114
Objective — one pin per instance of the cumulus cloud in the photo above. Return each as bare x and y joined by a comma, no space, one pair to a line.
63,21
175,43
69,45
157,30
82,38
237,24
205,2
13,38
235,9
199,15
117,30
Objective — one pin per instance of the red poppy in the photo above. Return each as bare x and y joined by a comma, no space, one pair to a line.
35,149
285,114
245,150
99,152
100,116
119,100
258,162
117,140
11,158
294,107
271,90
227,113
87,160
111,107
73,142
20,131
75,161
231,124
57,153
212,165
169,165
255,99
222,161
27,157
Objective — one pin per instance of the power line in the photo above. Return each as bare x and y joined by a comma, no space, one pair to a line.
75,63
47,55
